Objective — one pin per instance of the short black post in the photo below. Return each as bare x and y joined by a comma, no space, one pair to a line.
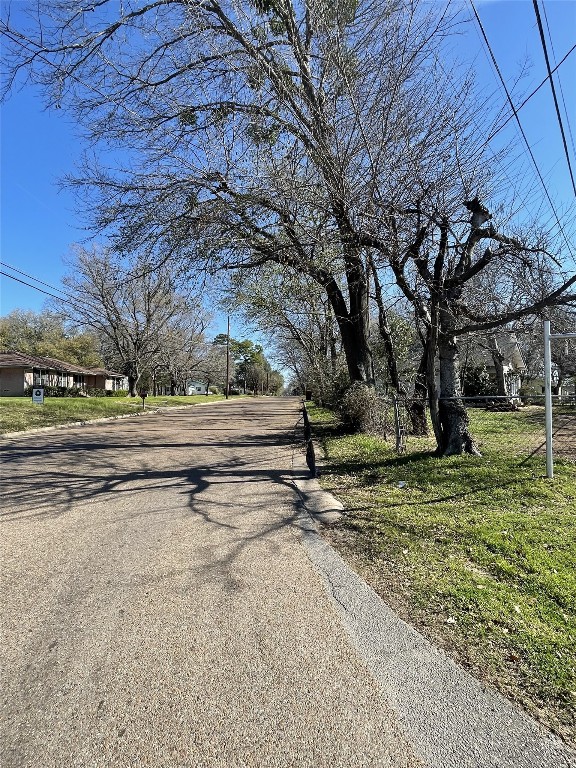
310,452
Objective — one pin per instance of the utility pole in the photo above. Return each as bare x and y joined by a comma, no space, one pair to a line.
228,359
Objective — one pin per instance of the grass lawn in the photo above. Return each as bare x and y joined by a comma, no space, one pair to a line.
19,413
478,553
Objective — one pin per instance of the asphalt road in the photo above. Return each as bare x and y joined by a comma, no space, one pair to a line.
160,607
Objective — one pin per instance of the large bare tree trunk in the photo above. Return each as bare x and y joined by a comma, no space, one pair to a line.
357,351
454,422
417,406
353,323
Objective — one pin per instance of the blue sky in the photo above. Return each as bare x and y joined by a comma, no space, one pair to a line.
39,223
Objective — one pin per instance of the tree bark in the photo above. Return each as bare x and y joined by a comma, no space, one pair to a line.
454,422
498,360
354,323
132,385
417,405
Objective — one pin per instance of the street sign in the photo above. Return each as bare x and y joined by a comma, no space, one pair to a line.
38,395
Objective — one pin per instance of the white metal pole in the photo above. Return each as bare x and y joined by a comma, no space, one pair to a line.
548,399
228,359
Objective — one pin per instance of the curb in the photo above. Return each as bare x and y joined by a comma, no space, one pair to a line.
448,716
55,427
320,504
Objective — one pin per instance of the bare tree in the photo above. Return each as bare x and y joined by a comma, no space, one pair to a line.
136,315
297,318
267,130
211,367
563,351
437,260
182,348
312,135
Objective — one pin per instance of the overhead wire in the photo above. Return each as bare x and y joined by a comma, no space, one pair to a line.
36,279
30,285
527,99
517,117
567,116
553,88
64,298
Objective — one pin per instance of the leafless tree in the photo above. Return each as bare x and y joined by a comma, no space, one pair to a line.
142,319
294,313
211,367
563,351
315,135
266,128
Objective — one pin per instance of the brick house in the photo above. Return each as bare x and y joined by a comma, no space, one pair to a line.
19,370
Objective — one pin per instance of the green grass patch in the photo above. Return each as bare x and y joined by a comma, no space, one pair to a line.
478,552
19,413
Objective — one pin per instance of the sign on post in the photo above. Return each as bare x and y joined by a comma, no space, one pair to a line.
38,395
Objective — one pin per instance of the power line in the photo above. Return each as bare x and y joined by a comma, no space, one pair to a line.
37,280
67,299
558,115
527,99
566,115
12,277
517,117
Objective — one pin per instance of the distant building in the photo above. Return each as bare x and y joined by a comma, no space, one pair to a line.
500,356
19,371
196,388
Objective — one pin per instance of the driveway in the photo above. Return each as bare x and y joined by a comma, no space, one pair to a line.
161,609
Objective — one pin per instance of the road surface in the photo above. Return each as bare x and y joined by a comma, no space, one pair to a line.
159,607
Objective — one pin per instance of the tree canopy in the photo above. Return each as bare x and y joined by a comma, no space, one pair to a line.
331,139
49,334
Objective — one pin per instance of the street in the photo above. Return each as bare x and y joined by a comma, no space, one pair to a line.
160,609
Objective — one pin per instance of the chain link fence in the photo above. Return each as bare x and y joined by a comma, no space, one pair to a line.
515,426
564,428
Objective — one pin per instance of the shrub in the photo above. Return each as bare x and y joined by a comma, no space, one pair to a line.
52,391
360,409
95,392
117,393
476,380
332,391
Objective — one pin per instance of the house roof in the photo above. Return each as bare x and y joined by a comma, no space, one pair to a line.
11,359
105,372
479,351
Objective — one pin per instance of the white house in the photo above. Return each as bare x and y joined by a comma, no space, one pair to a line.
501,356
196,388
